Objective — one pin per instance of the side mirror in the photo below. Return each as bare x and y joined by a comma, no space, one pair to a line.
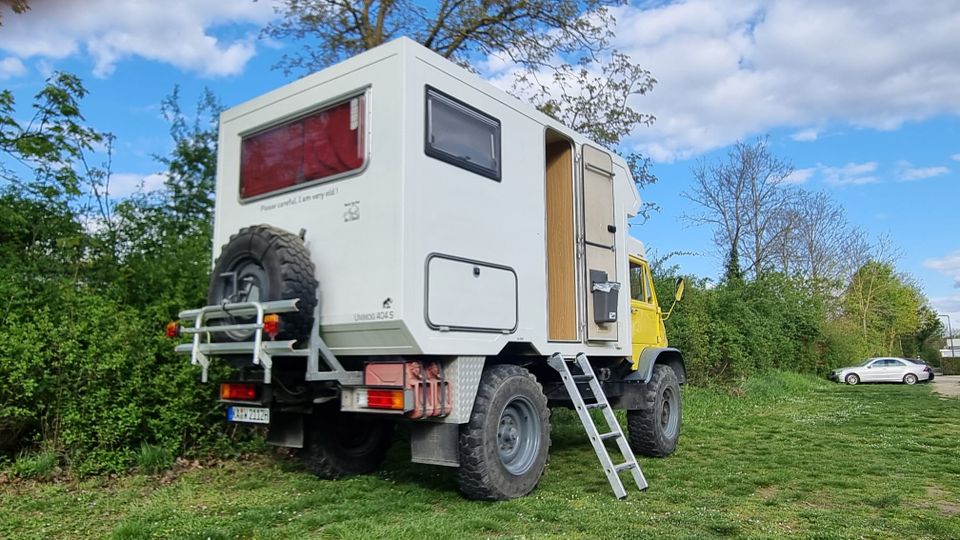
678,290
677,296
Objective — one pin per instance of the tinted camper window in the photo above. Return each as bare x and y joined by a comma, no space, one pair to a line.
323,145
461,135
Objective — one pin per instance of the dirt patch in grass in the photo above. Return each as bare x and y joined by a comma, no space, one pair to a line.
768,492
941,501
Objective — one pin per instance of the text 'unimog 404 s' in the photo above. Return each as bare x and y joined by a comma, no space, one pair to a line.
399,241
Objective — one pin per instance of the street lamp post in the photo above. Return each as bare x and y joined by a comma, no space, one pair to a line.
950,334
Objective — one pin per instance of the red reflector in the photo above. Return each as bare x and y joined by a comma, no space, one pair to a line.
238,391
271,324
385,399
173,330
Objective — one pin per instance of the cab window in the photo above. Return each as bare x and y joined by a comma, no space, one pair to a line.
640,287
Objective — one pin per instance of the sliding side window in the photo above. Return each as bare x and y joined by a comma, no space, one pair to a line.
462,135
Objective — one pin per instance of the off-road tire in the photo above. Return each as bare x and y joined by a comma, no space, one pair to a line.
338,444
648,434
483,473
852,379
910,378
285,269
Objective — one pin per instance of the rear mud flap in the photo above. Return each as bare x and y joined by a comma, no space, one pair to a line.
286,429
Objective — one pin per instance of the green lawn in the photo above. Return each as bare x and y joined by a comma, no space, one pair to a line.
786,456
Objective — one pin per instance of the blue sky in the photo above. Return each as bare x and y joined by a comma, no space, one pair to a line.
862,97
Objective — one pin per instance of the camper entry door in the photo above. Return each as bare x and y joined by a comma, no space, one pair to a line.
599,234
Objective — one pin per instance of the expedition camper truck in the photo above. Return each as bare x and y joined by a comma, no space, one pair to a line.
402,241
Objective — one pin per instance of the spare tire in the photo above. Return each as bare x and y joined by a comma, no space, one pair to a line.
268,264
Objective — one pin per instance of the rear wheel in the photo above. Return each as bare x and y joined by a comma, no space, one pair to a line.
340,444
910,378
852,379
503,449
655,429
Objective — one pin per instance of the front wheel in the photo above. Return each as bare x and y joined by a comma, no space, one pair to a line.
655,429
852,379
910,378
340,444
504,447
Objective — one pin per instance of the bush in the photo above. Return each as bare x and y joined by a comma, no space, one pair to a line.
950,366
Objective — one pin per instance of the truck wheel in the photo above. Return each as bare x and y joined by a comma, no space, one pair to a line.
503,449
270,264
341,444
655,429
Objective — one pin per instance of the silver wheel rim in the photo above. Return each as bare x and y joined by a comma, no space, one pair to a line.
670,413
852,379
250,271
518,436
910,379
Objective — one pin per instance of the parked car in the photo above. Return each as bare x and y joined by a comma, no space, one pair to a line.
922,362
883,370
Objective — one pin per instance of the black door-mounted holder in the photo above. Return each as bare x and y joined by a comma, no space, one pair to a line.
605,296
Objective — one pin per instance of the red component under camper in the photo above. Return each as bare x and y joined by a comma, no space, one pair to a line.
432,393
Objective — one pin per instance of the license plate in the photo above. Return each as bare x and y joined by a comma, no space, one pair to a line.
255,415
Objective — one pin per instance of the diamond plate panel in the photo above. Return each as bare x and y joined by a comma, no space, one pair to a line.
464,372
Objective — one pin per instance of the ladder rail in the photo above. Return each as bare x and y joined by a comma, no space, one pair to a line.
610,469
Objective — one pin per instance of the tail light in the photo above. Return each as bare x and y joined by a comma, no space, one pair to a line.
385,399
271,325
926,369
173,329
238,391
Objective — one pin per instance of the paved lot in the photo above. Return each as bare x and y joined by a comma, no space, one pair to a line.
947,385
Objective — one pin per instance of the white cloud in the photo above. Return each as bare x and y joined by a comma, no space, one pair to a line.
177,32
11,67
949,265
799,176
850,174
955,157
911,174
732,69
805,135
126,184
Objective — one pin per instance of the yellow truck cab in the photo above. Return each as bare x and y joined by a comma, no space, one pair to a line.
645,313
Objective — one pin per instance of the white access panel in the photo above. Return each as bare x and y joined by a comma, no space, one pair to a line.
470,295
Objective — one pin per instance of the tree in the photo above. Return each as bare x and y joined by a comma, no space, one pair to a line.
885,304
743,199
530,33
559,47
816,239
16,6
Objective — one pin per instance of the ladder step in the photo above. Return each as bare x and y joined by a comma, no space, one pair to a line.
625,466
582,378
611,435
597,405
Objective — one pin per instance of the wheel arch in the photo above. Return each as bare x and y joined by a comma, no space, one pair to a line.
652,356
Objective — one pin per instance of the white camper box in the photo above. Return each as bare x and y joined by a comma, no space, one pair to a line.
398,240
417,254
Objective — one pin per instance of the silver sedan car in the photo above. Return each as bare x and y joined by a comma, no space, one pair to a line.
883,370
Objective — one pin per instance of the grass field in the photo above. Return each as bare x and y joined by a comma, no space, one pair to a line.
784,456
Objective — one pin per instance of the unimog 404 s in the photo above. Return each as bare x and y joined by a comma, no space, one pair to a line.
399,241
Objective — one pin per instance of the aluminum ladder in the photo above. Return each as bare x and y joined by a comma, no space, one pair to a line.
597,439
